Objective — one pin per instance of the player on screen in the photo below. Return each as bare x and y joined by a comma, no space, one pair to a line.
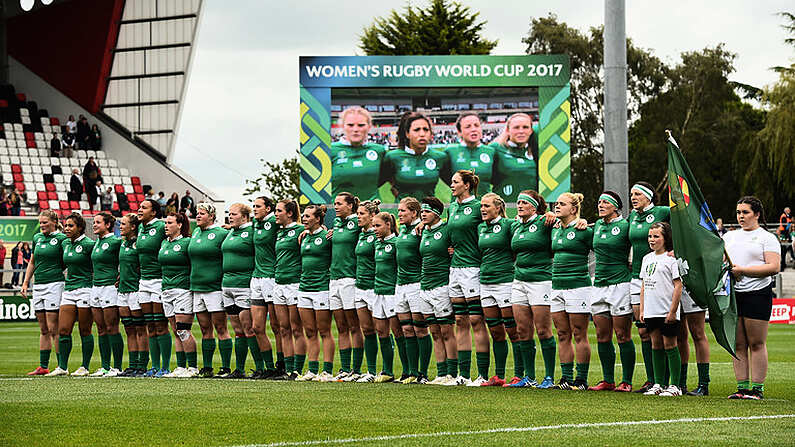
470,154
413,168
355,162
517,157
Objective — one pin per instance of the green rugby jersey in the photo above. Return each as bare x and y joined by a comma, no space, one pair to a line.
494,241
129,269
611,250
343,246
77,258
265,231
175,263
532,246
365,260
385,265
479,159
416,175
105,260
206,258
463,220
639,224
315,262
238,253
409,260
356,169
514,172
288,254
150,236
48,263
570,262
435,257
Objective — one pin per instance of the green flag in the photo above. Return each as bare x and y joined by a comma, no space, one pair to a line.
699,249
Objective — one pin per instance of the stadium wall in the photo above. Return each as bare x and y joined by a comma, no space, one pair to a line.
162,176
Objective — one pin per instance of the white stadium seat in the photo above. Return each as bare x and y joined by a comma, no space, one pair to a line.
62,195
24,112
124,172
112,163
81,153
54,204
101,155
14,159
25,120
58,178
27,169
13,150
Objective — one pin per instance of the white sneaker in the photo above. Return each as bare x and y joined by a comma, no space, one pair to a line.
477,382
80,372
438,380
654,390
99,373
458,381
325,377
351,377
182,373
340,376
192,372
57,372
366,378
308,377
113,372
178,372
672,390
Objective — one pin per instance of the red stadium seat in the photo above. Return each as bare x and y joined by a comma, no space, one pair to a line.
41,195
22,213
140,197
133,206
52,195
49,187
19,186
64,213
44,205
63,204
131,197
3,103
16,169
95,212
119,189
18,178
21,97
54,121
74,204
138,189
115,206
87,213
30,136
30,143
135,180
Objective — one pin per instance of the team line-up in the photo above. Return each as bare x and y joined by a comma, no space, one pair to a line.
436,281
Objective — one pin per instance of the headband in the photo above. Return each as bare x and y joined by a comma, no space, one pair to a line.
427,207
528,198
644,190
609,199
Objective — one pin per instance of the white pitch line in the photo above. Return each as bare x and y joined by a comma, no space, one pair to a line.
517,430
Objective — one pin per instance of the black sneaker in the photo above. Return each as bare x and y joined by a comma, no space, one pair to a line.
563,384
255,375
206,373
701,390
739,394
684,390
129,372
644,388
422,379
268,374
579,385
754,394
403,377
236,374
280,367
292,376
139,372
223,373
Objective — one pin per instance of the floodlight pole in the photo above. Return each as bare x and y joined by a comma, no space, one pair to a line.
616,154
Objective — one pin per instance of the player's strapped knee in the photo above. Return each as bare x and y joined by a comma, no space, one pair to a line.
420,323
640,325
149,318
183,331
159,318
183,326
509,322
258,303
138,321
233,309
493,322
407,323
460,308
474,307
127,322
431,320
450,319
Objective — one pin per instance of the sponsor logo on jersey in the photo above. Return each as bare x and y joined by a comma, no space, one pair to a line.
291,233
244,234
615,231
430,163
152,232
318,240
370,239
177,248
651,268
650,218
105,246
211,236
52,242
507,189
268,225
467,211
485,158
371,155
351,225
78,249
533,228
388,248
342,154
437,235
570,235
497,228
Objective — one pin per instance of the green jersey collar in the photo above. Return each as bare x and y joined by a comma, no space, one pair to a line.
107,235
467,200
648,207
615,219
291,224
319,229
391,236
176,238
495,220
415,222
245,225
410,151
82,236
436,225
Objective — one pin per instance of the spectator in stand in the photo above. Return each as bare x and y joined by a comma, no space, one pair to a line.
2,261
172,203
75,185
24,259
784,225
161,199
90,178
68,144
187,204
55,146
71,124
149,194
83,133
3,202
14,203
95,138
16,263
106,201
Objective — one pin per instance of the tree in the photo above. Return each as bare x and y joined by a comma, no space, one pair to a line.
647,75
444,27
278,180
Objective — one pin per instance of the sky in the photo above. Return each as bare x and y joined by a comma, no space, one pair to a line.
241,103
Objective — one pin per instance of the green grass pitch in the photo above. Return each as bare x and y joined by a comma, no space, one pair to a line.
203,412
